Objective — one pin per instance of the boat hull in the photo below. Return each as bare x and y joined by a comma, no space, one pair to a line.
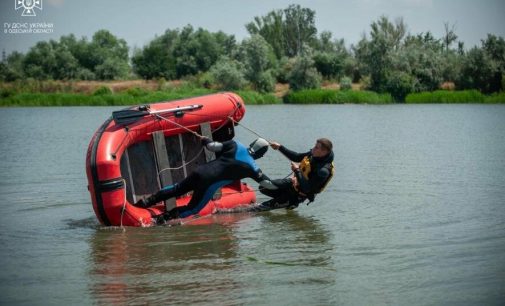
121,161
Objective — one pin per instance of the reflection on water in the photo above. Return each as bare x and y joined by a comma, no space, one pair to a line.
160,264
212,262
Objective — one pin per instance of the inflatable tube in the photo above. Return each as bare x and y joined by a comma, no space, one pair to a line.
124,161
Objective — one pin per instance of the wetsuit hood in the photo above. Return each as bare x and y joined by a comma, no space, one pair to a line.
258,148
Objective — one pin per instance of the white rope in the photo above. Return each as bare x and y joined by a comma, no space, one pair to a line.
194,133
230,115
250,130
183,164
124,205
179,125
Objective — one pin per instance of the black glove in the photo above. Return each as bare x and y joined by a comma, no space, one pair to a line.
205,140
292,206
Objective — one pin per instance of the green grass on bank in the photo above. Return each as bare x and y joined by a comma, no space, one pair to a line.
134,96
328,96
103,96
254,97
464,96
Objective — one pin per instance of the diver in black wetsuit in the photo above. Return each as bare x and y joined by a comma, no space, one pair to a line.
235,162
311,175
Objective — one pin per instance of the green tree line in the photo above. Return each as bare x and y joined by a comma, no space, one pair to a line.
284,47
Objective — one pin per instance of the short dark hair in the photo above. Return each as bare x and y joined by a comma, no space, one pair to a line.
325,143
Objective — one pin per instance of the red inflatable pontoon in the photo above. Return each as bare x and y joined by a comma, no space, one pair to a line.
139,150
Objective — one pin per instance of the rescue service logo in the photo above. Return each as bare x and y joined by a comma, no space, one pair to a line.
28,6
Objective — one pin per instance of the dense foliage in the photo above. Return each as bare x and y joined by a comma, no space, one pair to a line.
105,57
284,47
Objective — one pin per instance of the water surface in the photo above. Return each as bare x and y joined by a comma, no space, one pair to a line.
414,215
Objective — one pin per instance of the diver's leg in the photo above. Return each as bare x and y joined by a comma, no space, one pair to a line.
170,191
196,204
279,196
202,194
282,186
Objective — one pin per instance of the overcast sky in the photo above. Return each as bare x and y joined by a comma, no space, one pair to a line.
139,21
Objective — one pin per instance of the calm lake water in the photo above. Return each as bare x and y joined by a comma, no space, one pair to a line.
415,215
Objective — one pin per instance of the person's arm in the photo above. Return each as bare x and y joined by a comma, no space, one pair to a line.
264,180
314,183
213,146
291,155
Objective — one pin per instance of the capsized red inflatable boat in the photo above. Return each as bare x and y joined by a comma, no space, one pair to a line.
140,149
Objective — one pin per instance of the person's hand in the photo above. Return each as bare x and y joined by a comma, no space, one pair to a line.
294,181
294,166
275,145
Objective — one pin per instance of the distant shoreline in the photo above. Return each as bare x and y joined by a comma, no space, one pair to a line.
134,92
